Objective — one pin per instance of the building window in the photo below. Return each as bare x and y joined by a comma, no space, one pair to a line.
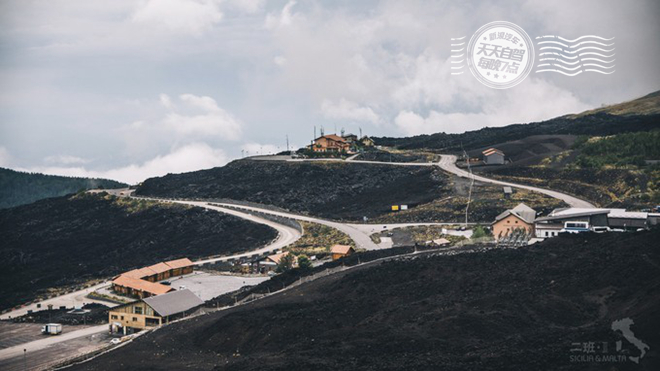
137,310
508,221
516,222
113,316
122,318
134,319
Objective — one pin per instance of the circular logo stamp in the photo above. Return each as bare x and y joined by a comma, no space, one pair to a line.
500,55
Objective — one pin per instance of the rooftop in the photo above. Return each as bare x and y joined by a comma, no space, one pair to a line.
522,211
174,302
141,285
491,151
340,249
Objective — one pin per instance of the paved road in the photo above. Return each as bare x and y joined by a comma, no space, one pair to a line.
286,235
362,240
17,351
68,300
448,163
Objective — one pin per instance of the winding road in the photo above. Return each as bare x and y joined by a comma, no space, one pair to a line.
448,164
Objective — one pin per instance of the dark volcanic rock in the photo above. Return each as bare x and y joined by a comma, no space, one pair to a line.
326,189
69,240
503,309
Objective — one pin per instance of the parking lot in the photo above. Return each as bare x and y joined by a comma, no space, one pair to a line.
18,334
207,286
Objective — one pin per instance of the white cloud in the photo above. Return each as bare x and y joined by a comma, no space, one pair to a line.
65,160
166,101
347,110
246,6
279,60
5,158
187,16
212,121
191,157
533,100
283,19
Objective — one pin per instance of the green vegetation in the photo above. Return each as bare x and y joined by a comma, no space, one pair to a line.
286,263
304,263
623,150
19,188
317,239
479,232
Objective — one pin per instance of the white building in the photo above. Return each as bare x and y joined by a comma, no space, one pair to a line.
493,156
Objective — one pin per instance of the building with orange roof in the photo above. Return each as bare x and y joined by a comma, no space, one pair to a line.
141,282
139,288
339,251
330,143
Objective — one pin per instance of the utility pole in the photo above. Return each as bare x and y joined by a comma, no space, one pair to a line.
467,207
287,142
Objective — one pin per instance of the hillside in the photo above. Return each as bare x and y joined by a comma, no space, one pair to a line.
19,188
517,309
327,189
641,114
596,124
69,240
344,191
646,105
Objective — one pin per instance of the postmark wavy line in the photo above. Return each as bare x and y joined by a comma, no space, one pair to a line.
579,51
589,48
598,65
457,38
604,73
574,40
560,66
573,46
559,60
558,54
598,59
559,71
598,54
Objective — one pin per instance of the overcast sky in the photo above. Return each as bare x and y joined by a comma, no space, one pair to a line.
134,89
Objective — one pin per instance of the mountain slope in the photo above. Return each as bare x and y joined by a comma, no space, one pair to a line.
646,105
519,309
19,188
642,114
333,190
70,240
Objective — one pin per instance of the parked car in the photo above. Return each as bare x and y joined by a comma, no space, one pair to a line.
601,229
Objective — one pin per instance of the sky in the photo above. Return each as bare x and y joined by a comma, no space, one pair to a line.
134,89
